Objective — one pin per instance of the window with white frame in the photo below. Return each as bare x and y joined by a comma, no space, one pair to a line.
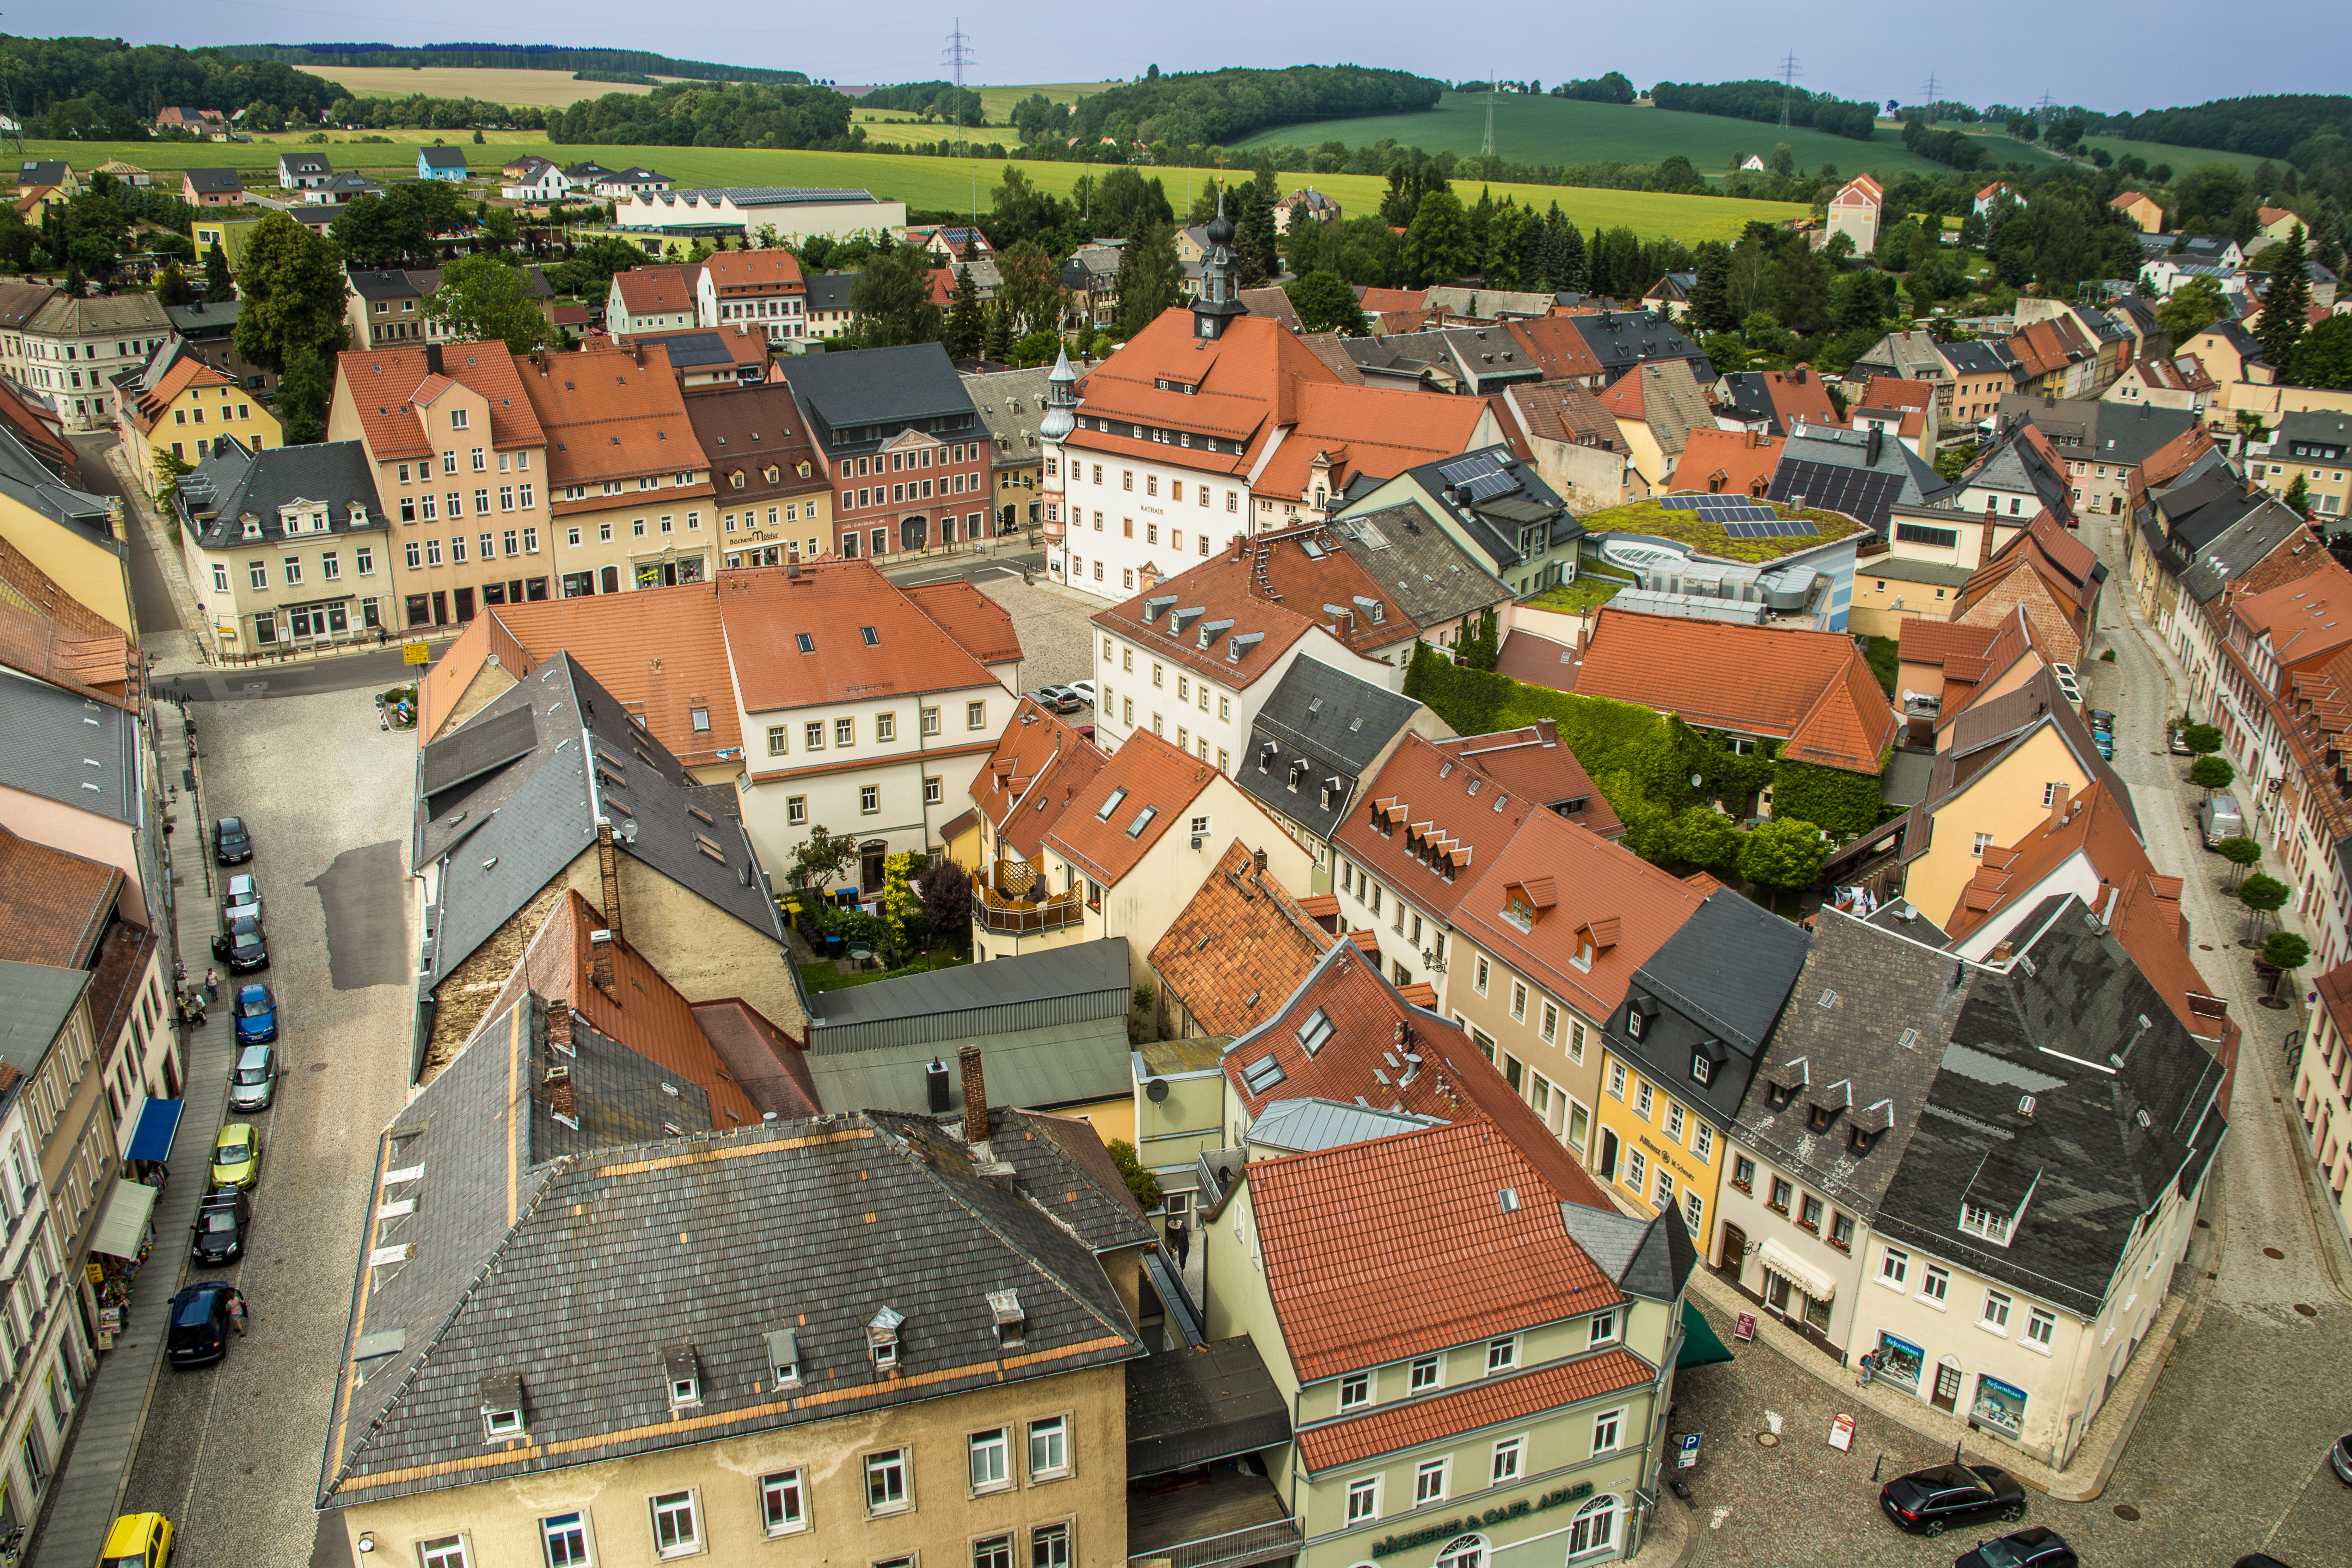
676,1532
1702,1144
1603,1329
1893,1266
443,1552
783,1502
1674,1121
566,1538
1424,1376
989,1453
1978,1220
1995,1315
1616,1081
2041,1326
885,1481
1549,1026
1503,1355
1429,1481
1049,1546
1645,1097
1518,1001
1355,1390
992,1551
1937,1286
1049,1451
1510,1462
1606,1430
1363,1498
1479,977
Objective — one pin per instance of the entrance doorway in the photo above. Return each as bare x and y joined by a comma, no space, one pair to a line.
870,856
1735,1250
1946,1396
1608,1155
913,533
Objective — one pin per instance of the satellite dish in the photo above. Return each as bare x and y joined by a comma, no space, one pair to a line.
1156,1091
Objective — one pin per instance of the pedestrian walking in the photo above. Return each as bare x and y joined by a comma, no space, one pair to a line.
1180,1239
212,984
200,1019
1869,1365
237,1311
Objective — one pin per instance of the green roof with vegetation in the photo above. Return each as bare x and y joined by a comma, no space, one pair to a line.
1685,526
1591,589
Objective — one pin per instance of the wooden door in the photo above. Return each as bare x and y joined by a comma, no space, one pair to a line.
1947,1387
1735,1250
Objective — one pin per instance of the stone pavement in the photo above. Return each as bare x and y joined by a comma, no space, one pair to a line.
84,1499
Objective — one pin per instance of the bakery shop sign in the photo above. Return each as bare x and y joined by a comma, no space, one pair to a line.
1491,1516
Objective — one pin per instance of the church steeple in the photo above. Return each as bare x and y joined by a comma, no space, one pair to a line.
1061,400
1218,301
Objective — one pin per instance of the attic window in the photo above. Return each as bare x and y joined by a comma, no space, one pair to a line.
1978,1220
1262,1075
1819,1117
701,717
1508,1198
683,1376
807,643
1142,820
1313,1033
1829,998
1111,804
1778,1095
882,1338
873,639
784,1357
501,1407
1012,1324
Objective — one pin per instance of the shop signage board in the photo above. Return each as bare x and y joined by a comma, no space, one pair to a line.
1745,1329
1841,1433
414,653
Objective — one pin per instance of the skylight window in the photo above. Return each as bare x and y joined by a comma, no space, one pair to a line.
873,639
807,643
1262,1075
1313,1033
1111,804
1142,820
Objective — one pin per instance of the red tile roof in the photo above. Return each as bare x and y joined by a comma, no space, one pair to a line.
1809,690
186,372
768,1064
1797,397
42,432
1600,892
660,651
611,413
1375,300
765,609
1103,830
1278,567
1038,766
1530,763
2090,823
1357,1283
654,290
773,270
1490,1402
1893,392
385,384
1239,949
1537,661
1221,594
96,664
53,905
1725,462
2309,621
980,626
1554,344
1428,809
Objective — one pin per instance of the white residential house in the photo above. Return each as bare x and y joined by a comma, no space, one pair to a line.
304,171
541,181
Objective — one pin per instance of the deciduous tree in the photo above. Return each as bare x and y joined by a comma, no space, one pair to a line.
1325,304
1437,245
2263,896
890,303
1150,278
484,299
291,282
1783,854
2211,774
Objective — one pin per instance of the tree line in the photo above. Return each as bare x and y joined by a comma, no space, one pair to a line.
687,114
1222,107
67,86
939,99
1763,101
512,56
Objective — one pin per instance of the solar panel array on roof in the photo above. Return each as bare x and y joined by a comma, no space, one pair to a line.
1719,508
1767,527
1462,470
1487,487
1857,492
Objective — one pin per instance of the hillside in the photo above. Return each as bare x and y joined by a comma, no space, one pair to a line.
545,89
1558,132
563,57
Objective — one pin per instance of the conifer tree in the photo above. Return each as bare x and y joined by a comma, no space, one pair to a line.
2287,300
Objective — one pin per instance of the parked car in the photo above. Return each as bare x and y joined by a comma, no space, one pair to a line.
137,1541
2105,743
224,1220
2180,742
201,1324
257,1013
253,1082
1057,700
2221,819
242,946
236,1156
241,895
2034,1547
2339,1459
1931,1501
1085,691
232,844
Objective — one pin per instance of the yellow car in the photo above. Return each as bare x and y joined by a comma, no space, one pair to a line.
236,1156
138,1540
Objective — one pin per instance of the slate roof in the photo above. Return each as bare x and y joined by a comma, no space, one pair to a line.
26,480
480,1280
1623,339
1858,472
508,800
1782,400
232,481
1238,949
1718,982
441,157
35,1000
1416,563
858,399
1863,1035
1189,1408
49,739
1335,723
1011,404
2059,1024
214,182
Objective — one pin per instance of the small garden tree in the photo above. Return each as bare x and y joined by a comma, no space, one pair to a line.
2263,896
824,859
2212,774
2244,854
1705,839
1783,854
2285,950
946,892
2202,739
1140,1181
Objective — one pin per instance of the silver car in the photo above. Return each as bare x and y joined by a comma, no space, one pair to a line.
241,895
254,1080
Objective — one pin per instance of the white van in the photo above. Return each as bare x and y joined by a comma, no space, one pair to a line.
2220,819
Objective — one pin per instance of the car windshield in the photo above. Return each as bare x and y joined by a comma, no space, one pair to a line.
253,1072
254,1006
230,1154
244,925
220,1220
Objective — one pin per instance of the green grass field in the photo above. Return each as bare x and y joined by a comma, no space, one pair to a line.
926,183
2182,159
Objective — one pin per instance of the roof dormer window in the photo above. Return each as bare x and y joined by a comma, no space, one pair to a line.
784,1357
882,1338
683,1376
501,1408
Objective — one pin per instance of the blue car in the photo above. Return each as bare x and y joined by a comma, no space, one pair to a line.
256,1015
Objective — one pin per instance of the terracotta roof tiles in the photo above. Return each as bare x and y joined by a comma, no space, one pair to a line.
766,610
1239,949
1104,831
609,413
1490,1402
1032,777
1727,462
980,626
654,290
53,905
383,385
660,651
1429,824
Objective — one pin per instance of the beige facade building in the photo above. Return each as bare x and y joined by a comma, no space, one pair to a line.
73,349
287,546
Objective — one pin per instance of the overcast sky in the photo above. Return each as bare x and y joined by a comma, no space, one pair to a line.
2148,55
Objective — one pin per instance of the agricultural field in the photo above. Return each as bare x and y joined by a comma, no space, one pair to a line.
2182,159
1558,131
901,128
926,183
548,88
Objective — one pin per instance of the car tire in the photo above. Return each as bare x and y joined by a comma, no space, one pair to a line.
2013,1514
1932,1528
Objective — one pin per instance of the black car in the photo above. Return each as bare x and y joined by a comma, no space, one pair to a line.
2101,718
224,1220
201,1324
1929,1502
2339,1459
232,845
2035,1547
242,946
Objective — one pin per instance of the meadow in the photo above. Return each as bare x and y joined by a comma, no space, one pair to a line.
1559,131
934,183
2182,159
554,89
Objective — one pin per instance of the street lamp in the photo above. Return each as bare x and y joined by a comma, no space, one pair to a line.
1431,961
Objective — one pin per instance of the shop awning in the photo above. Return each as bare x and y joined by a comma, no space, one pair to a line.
125,1219
1702,1346
1798,1272
159,1124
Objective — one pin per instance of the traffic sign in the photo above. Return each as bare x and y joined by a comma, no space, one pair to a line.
414,653
1689,1455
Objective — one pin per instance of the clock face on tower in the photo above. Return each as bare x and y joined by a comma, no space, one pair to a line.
1208,327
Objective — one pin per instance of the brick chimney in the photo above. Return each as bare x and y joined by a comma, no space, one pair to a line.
975,1095
599,964
608,864
2058,811
559,1023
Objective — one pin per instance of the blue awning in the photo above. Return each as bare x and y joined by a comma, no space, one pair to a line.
159,1124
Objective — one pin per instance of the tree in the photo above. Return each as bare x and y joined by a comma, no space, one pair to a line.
2242,853
1783,854
2284,950
1031,286
2211,774
171,287
304,390
966,333
2298,496
1151,279
2194,305
2286,302
890,303
485,298
2263,896
218,286
500,231
1710,300
2202,739
946,893
1705,839
996,342
823,859
2324,357
1254,259
1325,304
1141,1183
1437,246
291,281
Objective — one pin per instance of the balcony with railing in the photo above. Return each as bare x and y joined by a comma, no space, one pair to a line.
1015,900
1220,1168
1221,1520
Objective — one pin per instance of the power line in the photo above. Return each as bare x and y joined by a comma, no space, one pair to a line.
958,55
1930,99
1487,148
1789,72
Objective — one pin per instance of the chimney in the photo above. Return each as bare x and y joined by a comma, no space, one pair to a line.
599,964
558,1025
1258,864
1984,547
2000,953
975,1095
2059,809
433,359
608,862
935,1086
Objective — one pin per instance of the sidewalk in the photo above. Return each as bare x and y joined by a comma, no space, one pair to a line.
84,1499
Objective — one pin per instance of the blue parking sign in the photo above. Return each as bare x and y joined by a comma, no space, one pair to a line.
1689,1455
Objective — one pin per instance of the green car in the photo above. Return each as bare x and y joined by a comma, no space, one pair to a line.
236,1156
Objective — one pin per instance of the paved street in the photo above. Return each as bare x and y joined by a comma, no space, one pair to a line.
150,598
231,1452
